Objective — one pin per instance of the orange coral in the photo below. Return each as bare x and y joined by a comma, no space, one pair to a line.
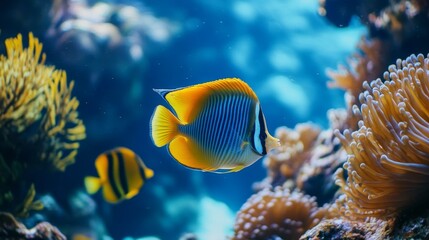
276,213
388,164
307,158
294,149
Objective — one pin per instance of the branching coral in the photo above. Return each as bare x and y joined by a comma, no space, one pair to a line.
388,164
39,124
278,213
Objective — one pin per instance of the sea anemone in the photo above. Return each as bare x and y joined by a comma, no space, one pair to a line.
388,164
276,213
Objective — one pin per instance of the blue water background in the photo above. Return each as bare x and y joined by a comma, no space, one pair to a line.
281,48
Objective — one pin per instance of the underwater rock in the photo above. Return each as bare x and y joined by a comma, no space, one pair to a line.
336,229
11,229
414,225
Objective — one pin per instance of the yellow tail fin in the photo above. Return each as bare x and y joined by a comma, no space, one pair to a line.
164,126
148,172
92,184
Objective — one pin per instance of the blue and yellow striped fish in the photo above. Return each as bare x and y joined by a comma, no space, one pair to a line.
121,175
219,126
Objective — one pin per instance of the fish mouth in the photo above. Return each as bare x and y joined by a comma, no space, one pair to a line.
271,143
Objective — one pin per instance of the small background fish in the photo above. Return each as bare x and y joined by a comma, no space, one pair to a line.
121,175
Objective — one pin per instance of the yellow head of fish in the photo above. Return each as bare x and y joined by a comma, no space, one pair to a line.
121,175
219,126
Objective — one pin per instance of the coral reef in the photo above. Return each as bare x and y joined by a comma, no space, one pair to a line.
307,159
384,132
395,29
10,228
291,155
276,213
364,66
387,157
39,125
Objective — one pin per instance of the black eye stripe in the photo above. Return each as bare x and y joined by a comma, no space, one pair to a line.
259,147
262,134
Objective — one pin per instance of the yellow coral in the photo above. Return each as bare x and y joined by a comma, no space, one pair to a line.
39,124
388,164
32,93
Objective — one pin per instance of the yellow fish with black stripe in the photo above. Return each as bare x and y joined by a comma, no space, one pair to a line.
121,175
219,126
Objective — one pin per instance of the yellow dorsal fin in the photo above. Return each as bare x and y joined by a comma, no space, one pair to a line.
188,101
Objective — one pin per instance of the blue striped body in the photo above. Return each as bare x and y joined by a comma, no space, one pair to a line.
223,128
